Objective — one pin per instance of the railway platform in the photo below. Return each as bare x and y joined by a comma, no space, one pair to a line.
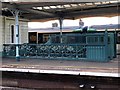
106,69
38,74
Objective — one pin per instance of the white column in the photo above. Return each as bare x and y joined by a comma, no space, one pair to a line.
17,34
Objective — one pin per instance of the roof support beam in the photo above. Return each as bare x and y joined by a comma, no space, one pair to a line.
38,12
55,0
89,10
93,12
42,4
8,6
111,11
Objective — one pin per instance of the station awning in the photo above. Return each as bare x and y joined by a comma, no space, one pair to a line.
40,10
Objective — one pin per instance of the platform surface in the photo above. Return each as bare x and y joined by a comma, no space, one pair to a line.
56,66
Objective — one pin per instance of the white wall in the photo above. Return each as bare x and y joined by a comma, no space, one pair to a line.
23,31
1,32
5,31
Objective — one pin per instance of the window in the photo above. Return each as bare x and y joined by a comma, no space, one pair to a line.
12,33
45,38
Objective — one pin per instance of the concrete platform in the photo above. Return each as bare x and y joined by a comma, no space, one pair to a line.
109,69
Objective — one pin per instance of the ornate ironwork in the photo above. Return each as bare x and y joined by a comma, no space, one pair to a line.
93,48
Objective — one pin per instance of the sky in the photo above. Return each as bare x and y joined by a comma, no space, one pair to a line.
87,22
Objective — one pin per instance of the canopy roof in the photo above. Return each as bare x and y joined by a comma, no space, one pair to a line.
42,11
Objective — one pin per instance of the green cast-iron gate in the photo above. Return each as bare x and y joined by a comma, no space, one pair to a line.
87,47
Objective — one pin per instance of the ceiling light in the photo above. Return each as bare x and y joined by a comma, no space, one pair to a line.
52,6
46,7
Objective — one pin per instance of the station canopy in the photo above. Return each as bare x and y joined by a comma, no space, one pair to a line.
41,10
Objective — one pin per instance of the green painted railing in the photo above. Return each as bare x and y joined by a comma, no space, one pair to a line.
86,47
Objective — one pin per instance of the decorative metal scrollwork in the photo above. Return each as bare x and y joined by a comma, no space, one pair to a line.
70,48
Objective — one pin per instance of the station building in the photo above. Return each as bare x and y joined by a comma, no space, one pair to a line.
7,31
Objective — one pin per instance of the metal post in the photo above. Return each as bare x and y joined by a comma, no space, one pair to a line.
106,44
61,22
115,43
17,34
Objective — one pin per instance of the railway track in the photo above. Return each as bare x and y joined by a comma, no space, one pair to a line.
28,81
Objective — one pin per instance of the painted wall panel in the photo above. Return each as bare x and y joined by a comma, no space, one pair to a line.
23,31
5,31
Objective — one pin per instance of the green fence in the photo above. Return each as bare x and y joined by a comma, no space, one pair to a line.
99,47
